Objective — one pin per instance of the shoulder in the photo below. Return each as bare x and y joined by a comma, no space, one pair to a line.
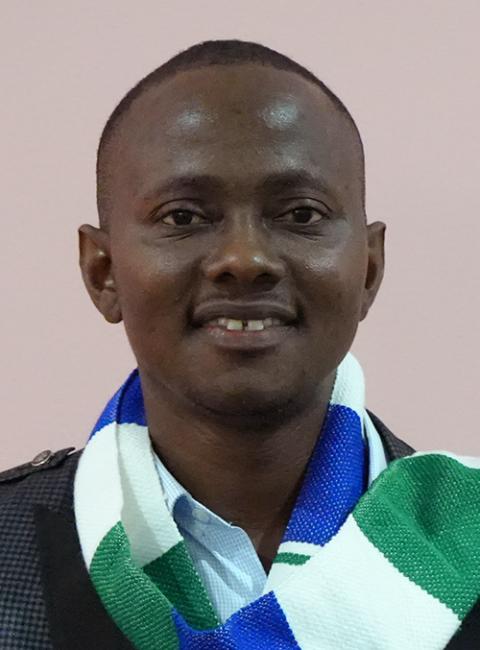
394,447
41,484
41,462
45,477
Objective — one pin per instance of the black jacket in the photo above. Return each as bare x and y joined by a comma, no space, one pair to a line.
46,598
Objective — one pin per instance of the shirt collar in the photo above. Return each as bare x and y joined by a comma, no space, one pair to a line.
183,507
172,489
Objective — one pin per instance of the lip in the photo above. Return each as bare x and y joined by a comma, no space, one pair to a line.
244,311
244,340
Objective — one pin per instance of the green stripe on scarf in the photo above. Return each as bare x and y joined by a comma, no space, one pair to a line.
130,597
436,547
175,575
291,558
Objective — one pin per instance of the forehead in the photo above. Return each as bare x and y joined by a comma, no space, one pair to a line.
238,123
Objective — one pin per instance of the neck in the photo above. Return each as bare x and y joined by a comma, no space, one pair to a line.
249,473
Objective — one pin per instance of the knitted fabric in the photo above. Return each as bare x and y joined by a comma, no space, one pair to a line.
396,566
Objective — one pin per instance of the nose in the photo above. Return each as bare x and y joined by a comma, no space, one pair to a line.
244,256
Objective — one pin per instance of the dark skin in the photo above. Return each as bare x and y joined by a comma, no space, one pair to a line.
236,188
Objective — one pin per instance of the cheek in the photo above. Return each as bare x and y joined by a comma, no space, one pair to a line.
334,282
154,289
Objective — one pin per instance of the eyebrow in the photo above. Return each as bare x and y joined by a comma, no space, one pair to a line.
277,181
293,179
185,182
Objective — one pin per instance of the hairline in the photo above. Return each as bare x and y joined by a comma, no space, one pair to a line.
166,72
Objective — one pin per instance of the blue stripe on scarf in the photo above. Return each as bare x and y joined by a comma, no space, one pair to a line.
125,407
262,624
334,481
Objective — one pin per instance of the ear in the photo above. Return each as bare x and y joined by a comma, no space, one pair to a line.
375,266
96,266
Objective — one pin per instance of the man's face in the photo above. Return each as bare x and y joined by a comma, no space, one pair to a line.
236,202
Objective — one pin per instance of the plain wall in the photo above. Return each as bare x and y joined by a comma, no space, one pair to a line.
409,72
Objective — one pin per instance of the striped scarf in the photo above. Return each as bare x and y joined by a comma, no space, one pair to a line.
393,567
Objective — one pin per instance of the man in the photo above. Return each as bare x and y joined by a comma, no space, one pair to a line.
218,502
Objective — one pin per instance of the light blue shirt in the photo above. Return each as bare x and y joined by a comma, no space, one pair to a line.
223,554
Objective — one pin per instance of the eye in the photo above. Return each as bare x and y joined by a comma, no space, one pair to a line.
182,218
304,215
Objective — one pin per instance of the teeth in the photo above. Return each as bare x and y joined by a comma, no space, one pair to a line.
233,324
255,325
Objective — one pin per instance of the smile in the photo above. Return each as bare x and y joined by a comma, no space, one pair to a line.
248,325
245,326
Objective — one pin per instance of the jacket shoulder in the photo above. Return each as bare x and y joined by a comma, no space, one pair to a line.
43,461
28,492
394,447
45,473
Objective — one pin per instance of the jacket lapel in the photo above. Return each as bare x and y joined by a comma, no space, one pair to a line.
76,616
394,447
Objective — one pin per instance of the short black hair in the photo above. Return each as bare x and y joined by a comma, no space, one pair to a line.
212,52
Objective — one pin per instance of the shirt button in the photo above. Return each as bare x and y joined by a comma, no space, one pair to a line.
41,458
201,516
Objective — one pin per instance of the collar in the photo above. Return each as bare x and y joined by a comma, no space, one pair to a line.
172,489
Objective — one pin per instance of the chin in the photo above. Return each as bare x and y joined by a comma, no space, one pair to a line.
249,401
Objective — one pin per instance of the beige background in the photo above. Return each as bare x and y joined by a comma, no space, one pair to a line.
409,72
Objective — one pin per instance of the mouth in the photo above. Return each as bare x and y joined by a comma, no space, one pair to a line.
245,327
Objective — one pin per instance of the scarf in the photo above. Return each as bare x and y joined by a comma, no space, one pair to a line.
393,566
